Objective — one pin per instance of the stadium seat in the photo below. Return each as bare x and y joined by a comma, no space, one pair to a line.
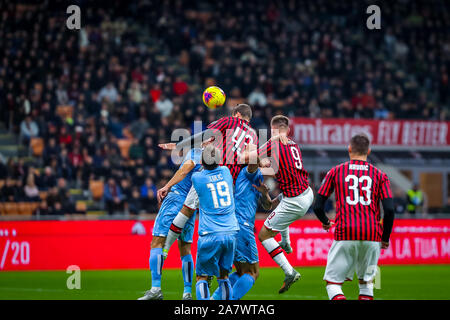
81,206
124,146
34,206
64,111
43,195
37,145
25,208
2,208
11,208
96,188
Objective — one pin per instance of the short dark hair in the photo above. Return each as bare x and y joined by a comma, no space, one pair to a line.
280,121
211,157
244,109
360,144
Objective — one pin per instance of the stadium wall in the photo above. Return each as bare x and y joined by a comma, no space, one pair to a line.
55,245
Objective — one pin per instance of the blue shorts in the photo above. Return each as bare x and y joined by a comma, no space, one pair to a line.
246,250
170,207
215,252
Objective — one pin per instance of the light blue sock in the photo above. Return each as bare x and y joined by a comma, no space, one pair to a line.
242,286
202,290
226,291
233,278
187,267
156,262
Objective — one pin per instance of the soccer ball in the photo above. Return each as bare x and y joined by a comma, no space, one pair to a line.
214,97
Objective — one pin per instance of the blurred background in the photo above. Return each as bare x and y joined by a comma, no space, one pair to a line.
82,111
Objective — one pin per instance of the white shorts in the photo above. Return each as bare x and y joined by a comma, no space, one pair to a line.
191,199
349,256
289,210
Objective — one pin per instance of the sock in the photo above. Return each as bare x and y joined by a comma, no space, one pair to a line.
275,251
175,230
242,286
233,278
365,291
156,263
335,292
285,238
202,290
187,267
226,291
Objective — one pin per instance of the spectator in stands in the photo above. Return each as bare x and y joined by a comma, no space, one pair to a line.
414,198
139,127
135,202
400,202
8,192
42,209
65,138
28,129
31,191
113,197
48,180
51,150
108,92
148,195
136,150
164,105
257,98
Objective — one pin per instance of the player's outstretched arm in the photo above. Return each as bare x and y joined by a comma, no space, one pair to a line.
388,221
201,136
319,211
181,173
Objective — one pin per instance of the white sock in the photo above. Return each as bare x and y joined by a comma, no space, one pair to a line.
366,289
333,290
275,251
285,238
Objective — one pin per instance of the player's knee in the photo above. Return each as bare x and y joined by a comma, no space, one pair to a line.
158,242
199,278
185,248
254,274
264,234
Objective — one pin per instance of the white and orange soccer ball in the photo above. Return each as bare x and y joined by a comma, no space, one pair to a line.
214,97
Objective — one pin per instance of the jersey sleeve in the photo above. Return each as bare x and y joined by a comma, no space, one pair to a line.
327,186
385,187
219,125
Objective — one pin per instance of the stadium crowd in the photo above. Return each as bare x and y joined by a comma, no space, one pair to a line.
135,71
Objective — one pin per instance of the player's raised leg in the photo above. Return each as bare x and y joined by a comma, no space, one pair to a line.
273,248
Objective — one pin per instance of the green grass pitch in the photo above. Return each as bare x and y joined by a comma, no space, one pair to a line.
397,283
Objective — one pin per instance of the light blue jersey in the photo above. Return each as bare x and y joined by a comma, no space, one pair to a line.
246,205
182,188
173,203
247,196
216,197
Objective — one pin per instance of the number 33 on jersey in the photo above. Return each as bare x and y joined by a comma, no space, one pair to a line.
358,188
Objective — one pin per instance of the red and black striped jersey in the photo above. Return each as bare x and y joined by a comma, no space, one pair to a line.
287,162
358,187
236,134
